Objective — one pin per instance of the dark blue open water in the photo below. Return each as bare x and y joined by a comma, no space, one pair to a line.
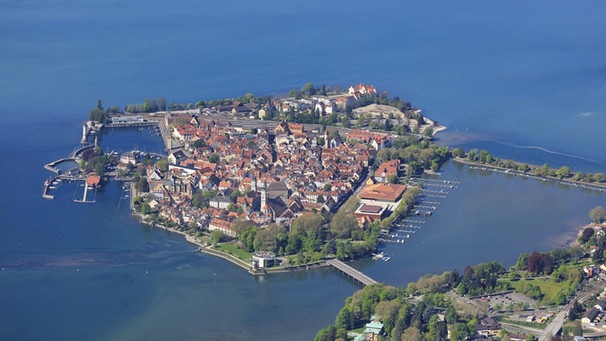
524,80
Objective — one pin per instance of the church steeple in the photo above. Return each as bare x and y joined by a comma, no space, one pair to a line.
263,195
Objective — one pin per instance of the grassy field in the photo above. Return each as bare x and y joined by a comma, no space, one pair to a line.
234,251
549,288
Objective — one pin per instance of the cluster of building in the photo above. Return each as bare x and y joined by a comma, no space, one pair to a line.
595,314
271,175
487,329
324,105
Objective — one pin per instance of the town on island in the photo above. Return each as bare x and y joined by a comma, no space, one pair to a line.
316,178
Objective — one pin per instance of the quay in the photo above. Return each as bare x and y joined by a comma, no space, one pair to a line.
132,124
51,166
351,272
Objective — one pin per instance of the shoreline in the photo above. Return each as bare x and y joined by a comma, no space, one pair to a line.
204,248
508,171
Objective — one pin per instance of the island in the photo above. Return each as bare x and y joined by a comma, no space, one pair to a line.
321,177
271,184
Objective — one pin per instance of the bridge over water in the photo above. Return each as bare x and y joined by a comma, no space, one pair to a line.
351,272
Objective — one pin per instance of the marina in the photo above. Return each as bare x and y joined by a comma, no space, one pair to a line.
125,193
425,205
50,188
81,194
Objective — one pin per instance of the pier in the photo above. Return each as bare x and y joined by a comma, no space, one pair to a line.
51,166
131,124
48,186
351,272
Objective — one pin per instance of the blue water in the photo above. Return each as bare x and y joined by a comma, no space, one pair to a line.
524,80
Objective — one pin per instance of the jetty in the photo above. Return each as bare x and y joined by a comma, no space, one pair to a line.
48,186
351,272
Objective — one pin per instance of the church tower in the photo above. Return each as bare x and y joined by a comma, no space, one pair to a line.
263,195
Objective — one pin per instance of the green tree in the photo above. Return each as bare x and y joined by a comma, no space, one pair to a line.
214,179
563,172
460,332
384,154
326,334
239,225
308,89
576,252
145,208
342,224
162,164
345,319
307,223
217,236
214,158
266,239
113,109
199,143
294,93
458,152
162,103
522,262
451,315
146,106
597,214
142,184
411,334
247,237
97,115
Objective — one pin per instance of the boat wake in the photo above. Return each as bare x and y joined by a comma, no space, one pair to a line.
552,152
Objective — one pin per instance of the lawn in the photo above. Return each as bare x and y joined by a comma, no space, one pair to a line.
549,288
233,250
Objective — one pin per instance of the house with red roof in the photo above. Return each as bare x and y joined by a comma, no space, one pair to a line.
383,192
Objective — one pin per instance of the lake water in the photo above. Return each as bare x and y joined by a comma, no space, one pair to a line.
523,80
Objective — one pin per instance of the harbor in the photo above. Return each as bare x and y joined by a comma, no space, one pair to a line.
84,194
432,191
